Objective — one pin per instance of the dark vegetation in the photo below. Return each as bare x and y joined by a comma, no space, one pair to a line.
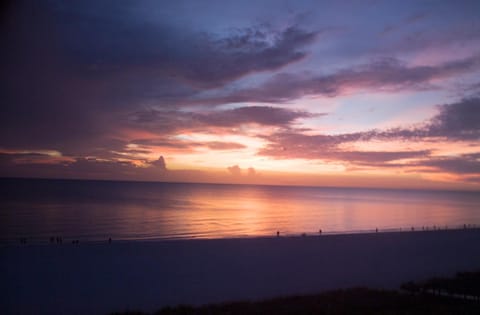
415,298
465,285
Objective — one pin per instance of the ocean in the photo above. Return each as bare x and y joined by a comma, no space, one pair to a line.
38,209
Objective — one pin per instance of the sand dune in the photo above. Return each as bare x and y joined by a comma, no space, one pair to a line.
97,278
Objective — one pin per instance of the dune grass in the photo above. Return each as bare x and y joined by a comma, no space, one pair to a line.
350,301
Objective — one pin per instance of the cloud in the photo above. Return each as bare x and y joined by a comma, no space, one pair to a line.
41,157
412,19
453,122
159,164
72,73
235,170
227,59
218,145
320,147
170,121
386,74
22,165
262,115
87,79
184,145
472,179
458,120
119,38
292,144
465,164
377,157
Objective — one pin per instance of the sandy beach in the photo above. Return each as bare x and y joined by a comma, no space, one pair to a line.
98,278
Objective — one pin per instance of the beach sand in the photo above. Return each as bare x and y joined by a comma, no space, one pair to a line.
98,278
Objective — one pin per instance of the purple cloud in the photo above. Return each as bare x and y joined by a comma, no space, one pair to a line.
291,145
120,39
227,59
454,122
170,121
385,75
262,115
458,120
463,164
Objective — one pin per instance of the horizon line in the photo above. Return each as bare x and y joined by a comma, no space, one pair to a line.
238,184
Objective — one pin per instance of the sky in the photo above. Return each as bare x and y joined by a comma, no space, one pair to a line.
328,93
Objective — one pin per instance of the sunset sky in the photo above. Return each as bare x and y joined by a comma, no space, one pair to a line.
331,93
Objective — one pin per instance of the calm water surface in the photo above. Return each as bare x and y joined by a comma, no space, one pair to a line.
97,210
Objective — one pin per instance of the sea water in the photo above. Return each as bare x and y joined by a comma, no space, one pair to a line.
38,209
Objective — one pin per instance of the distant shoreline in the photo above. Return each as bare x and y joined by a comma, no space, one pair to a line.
68,241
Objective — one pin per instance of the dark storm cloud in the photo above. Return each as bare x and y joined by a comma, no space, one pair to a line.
72,71
109,38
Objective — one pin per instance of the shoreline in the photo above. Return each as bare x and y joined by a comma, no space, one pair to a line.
68,241
98,278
